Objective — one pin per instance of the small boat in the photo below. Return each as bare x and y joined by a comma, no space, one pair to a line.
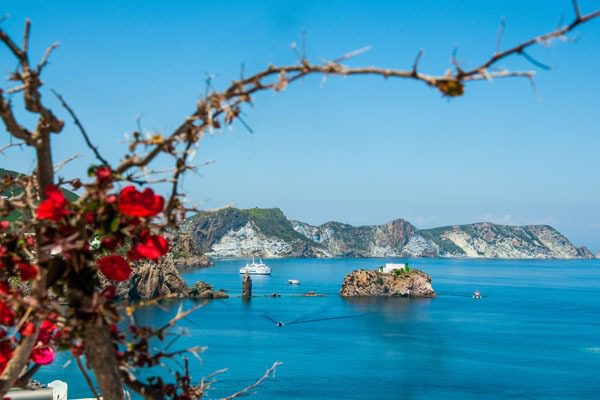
477,295
256,268
293,281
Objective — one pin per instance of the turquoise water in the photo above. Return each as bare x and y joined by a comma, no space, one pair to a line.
535,335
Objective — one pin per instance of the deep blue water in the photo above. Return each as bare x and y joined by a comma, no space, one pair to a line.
536,334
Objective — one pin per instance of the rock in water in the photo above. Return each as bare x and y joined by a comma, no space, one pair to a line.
203,290
150,280
247,286
413,283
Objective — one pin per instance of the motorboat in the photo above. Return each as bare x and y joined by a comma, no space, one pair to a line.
293,281
256,268
477,295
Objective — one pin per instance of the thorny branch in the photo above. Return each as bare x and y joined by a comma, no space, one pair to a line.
79,125
224,107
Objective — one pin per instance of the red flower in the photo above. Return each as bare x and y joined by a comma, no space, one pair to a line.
89,217
103,174
140,204
47,329
6,352
42,355
53,207
109,292
7,315
152,247
114,268
27,271
4,225
4,288
77,349
27,329
110,243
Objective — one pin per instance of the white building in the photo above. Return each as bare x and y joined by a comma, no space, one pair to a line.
389,267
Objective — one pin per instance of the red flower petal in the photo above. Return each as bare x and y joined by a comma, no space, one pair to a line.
103,174
140,204
152,247
114,268
53,207
7,315
47,329
110,243
27,271
27,329
42,355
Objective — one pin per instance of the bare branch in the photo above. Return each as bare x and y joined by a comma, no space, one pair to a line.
86,377
11,124
11,45
26,34
545,38
79,125
255,384
8,146
60,165
576,9
46,57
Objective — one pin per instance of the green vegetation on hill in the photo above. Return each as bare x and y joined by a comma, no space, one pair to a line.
272,222
14,191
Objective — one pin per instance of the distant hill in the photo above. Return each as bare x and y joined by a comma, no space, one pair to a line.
233,232
12,191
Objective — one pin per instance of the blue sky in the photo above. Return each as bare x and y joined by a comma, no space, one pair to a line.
361,150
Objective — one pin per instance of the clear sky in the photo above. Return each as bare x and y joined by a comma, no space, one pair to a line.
361,150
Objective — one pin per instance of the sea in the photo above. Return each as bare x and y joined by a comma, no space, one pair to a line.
535,334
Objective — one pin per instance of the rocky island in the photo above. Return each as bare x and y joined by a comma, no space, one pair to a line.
393,280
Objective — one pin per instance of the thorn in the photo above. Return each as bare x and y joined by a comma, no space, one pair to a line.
352,54
500,33
417,59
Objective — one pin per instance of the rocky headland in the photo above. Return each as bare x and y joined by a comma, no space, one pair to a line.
232,232
404,283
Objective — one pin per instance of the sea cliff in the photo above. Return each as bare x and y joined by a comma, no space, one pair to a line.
233,232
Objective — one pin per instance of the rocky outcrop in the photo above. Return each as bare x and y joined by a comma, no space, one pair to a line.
247,286
151,280
413,283
202,290
268,233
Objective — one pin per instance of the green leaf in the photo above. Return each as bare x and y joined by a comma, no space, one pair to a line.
114,224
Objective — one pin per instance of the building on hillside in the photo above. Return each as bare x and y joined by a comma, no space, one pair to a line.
389,267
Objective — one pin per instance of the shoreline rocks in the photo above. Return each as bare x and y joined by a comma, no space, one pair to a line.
203,290
412,283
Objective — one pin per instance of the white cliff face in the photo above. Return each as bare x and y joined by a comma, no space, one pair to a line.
248,241
536,241
557,244
227,235
418,246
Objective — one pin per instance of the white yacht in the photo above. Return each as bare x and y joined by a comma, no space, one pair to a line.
256,268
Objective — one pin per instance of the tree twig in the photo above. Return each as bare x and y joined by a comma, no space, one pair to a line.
255,384
79,125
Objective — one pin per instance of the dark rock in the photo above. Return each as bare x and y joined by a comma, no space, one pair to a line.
151,280
203,290
247,286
